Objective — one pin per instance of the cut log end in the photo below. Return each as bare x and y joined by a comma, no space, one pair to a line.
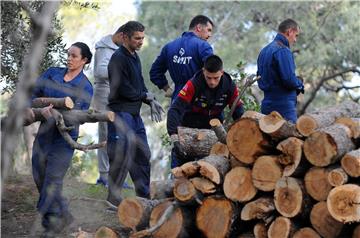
306,232
266,171
317,184
69,104
104,231
130,212
215,122
351,163
306,125
238,185
260,230
203,185
184,190
288,197
280,228
271,122
337,177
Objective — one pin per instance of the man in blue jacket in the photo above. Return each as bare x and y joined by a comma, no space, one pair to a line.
203,98
183,57
276,67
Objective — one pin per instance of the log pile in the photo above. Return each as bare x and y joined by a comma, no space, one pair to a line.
267,179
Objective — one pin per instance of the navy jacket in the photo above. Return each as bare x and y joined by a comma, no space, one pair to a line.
276,67
182,57
51,84
127,88
197,104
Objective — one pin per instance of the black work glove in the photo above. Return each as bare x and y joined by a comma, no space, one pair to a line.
300,90
180,153
156,110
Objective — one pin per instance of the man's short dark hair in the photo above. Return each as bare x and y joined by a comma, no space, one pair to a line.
287,24
120,29
132,26
213,64
200,19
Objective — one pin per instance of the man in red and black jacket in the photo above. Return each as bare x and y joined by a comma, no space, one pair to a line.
203,98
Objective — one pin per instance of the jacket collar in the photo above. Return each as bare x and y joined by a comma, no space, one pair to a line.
127,53
282,39
189,34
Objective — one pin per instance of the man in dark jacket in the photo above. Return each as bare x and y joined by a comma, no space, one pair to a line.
183,57
276,67
127,93
203,98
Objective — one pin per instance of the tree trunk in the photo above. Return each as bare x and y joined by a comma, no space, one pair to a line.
203,185
328,145
306,232
245,141
162,189
215,217
351,163
59,103
352,123
238,185
323,222
290,198
277,127
196,142
135,212
260,230
214,168
282,227
344,203
309,122
220,149
291,158
261,208
218,129
317,184
105,232
337,177
266,172
185,192
189,169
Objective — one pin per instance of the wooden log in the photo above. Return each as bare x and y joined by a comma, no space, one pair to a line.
220,149
215,217
356,232
290,198
218,129
177,172
260,230
352,123
261,208
59,103
328,145
266,172
351,163
204,185
306,232
323,222
317,184
343,203
291,157
277,127
337,176
105,232
162,189
236,163
214,168
135,212
185,192
196,142
238,185
187,170
245,140
309,122
281,227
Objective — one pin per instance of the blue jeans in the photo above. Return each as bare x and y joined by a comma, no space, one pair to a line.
128,151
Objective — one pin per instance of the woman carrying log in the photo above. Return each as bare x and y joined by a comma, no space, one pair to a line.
203,98
51,153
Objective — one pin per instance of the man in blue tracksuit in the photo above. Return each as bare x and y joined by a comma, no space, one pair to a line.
203,98
127,93
276,67
183,57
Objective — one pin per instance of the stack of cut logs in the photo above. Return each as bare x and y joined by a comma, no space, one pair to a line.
263,177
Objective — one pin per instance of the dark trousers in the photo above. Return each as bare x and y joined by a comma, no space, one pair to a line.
128,151
50,161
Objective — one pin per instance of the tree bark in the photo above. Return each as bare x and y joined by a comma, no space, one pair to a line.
196,142
238,185
306,232
59,103
337,176
352,123
351,163
277,127
328,145
218,129
344,203
245,140
162,189
214,168
261,208
317,184
323,222
309,122
282,227
266,172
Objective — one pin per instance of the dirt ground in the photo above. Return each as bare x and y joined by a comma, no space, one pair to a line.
19,217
